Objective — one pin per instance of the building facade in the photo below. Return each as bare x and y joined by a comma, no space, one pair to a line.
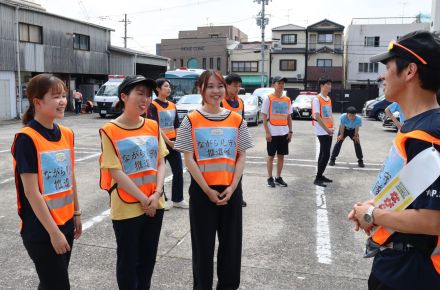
367,37
204,48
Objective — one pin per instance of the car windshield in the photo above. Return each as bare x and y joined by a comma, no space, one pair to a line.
250,100
303,99
108,90
181,87
190,99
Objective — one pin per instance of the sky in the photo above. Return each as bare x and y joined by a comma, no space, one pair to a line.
152,21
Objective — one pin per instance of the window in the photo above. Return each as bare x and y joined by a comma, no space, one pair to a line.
81,42
211,62
288,64
181,62
325,38
219,63
204,63
245,66
373,41
365,67
31,33
288,39
324,63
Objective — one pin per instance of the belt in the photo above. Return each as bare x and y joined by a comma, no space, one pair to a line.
372,248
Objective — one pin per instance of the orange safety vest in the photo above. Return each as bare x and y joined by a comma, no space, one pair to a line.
55,172
238,110
382,235
215,146
279,110
166,117
325,111
137,151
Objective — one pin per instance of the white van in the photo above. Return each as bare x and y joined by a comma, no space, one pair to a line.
106,98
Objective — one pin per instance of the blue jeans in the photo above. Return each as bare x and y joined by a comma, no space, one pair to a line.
175,160
77,107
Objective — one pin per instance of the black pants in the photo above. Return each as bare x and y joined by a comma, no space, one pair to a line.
137,240
52,269
77,107
207,219
338,145
325,145
376,284
175,160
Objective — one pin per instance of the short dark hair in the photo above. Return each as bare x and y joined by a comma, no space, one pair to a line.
351,110
429,78
323,80
160,82
230,78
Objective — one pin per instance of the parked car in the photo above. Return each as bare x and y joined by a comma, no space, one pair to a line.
389,124
264,92
106,98
187,104
252,109
376,108
302,105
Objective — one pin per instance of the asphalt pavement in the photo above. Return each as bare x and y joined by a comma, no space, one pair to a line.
294,238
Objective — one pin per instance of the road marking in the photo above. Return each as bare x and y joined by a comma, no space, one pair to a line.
314,161
323,246
99,218
7,180
3,151
314,166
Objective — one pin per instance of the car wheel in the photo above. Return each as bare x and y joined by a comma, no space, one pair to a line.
102,115
380,115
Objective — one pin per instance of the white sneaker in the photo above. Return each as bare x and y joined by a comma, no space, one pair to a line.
168,205
181,204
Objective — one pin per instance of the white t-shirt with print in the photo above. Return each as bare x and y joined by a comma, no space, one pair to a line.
274,130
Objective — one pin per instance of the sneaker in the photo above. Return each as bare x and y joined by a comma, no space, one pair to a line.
243,204
325,179
168,205
319,182
181,204
270,182
332,163
361,163
280,182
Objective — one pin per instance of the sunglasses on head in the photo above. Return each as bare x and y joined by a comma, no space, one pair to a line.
394,44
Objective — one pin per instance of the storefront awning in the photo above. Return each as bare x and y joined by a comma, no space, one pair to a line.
254,81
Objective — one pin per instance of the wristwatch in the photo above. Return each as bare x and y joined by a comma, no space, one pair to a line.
368,216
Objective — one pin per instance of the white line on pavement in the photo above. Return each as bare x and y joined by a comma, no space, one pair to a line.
3,151
312,160
314,166
7,180
323,246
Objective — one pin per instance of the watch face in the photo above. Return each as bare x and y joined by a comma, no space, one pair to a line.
368,218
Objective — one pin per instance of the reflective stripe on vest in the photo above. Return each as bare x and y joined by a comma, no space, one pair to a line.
325,111
382,235
166,117
55,172
215,146
279,110
138,151
238,110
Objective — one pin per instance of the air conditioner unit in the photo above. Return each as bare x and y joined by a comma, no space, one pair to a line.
276,45
299,76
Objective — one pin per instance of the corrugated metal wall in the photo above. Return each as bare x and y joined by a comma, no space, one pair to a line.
7,38
121,64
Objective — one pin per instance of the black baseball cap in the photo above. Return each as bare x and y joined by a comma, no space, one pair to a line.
136,80
278,78
421,47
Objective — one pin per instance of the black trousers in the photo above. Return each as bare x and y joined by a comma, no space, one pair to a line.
52,269
78,107
376,284
207,219
338,145
137,240
325,145
175,160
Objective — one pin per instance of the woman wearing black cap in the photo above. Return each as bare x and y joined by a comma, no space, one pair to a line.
132,171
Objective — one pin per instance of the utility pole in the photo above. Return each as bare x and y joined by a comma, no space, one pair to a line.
262,21
126,22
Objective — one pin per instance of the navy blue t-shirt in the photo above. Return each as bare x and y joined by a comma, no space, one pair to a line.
234,104
152,114
25,155
413,269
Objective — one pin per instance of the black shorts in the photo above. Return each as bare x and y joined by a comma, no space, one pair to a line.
279,145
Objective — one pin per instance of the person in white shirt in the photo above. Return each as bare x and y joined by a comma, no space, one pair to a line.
323,123
277,122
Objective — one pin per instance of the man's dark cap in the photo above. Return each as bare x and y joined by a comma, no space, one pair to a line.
136,80
424,44
279,78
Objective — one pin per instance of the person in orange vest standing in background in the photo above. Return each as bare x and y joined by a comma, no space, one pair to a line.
231,101
214,142
405,240
277,122
132,171
43,161
165,113
322,120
